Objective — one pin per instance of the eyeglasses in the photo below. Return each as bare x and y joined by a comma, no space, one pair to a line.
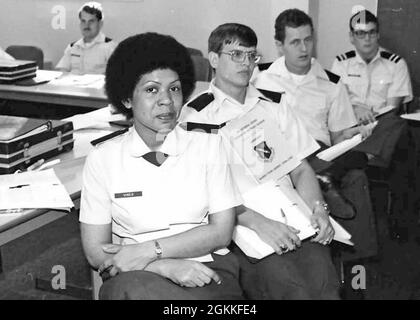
239,56
361,34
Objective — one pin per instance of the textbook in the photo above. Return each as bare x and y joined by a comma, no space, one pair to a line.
14,70
288,208
24,141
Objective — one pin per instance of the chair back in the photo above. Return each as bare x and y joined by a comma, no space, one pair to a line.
202,69
27,53
195,52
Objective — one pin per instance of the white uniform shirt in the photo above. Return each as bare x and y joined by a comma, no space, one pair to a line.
321,104
144,201
92,57
224,108
5,56
386,76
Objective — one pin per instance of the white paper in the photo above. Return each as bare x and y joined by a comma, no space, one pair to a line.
340,148
268,200
260,145
33,189
87,80
411,116
98,119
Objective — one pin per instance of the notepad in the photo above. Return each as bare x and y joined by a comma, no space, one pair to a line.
33,189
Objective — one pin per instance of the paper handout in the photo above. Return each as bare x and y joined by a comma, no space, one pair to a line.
268,200
342,147
257,143
33,189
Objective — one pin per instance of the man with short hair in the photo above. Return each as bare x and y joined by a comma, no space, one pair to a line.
306,272
378,80
319,99
89,54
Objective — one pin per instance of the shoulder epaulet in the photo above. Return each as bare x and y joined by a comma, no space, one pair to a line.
71,44
264,66
108,39
332,76
108,137
203,127
390,56
201,101
347,55
272,95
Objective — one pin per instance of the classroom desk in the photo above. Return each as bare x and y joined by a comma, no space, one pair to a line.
66,95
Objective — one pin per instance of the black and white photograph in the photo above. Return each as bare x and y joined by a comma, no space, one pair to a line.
209,157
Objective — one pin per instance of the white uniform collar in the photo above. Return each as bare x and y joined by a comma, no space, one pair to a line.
251,99
316,70
359,59
175,143
100,38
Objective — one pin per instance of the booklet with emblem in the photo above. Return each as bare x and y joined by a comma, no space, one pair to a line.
257,143
260,157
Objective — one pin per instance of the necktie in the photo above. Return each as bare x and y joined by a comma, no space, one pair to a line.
155,157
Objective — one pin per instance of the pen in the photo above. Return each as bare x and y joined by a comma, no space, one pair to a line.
283,215
35,165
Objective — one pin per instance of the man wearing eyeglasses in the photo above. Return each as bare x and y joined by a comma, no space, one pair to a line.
306,270
378,80
89,54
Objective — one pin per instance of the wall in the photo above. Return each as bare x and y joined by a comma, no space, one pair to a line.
190,21
333,30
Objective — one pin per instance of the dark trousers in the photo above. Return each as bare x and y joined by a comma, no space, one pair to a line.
306,273
144,285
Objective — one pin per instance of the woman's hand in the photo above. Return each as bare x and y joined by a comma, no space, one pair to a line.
127,257
185,273
320,220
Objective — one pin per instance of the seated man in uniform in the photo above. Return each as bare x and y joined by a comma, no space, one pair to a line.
5,56
378,80
297,270
320,100
89,54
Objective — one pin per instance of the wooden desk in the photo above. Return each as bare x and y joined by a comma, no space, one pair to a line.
51,93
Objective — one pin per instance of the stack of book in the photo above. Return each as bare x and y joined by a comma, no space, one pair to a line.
15,70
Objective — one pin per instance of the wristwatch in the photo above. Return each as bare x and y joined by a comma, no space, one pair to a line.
158,250
323,205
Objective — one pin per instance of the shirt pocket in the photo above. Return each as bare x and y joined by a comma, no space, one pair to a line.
75,61
380,85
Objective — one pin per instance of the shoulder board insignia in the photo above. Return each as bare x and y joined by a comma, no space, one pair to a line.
108,136
272,95
201,101
204,127
390,56
347,55
107,39
332,76
264,66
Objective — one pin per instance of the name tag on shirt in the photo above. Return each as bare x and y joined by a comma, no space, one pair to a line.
75,55
354,75
130,194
